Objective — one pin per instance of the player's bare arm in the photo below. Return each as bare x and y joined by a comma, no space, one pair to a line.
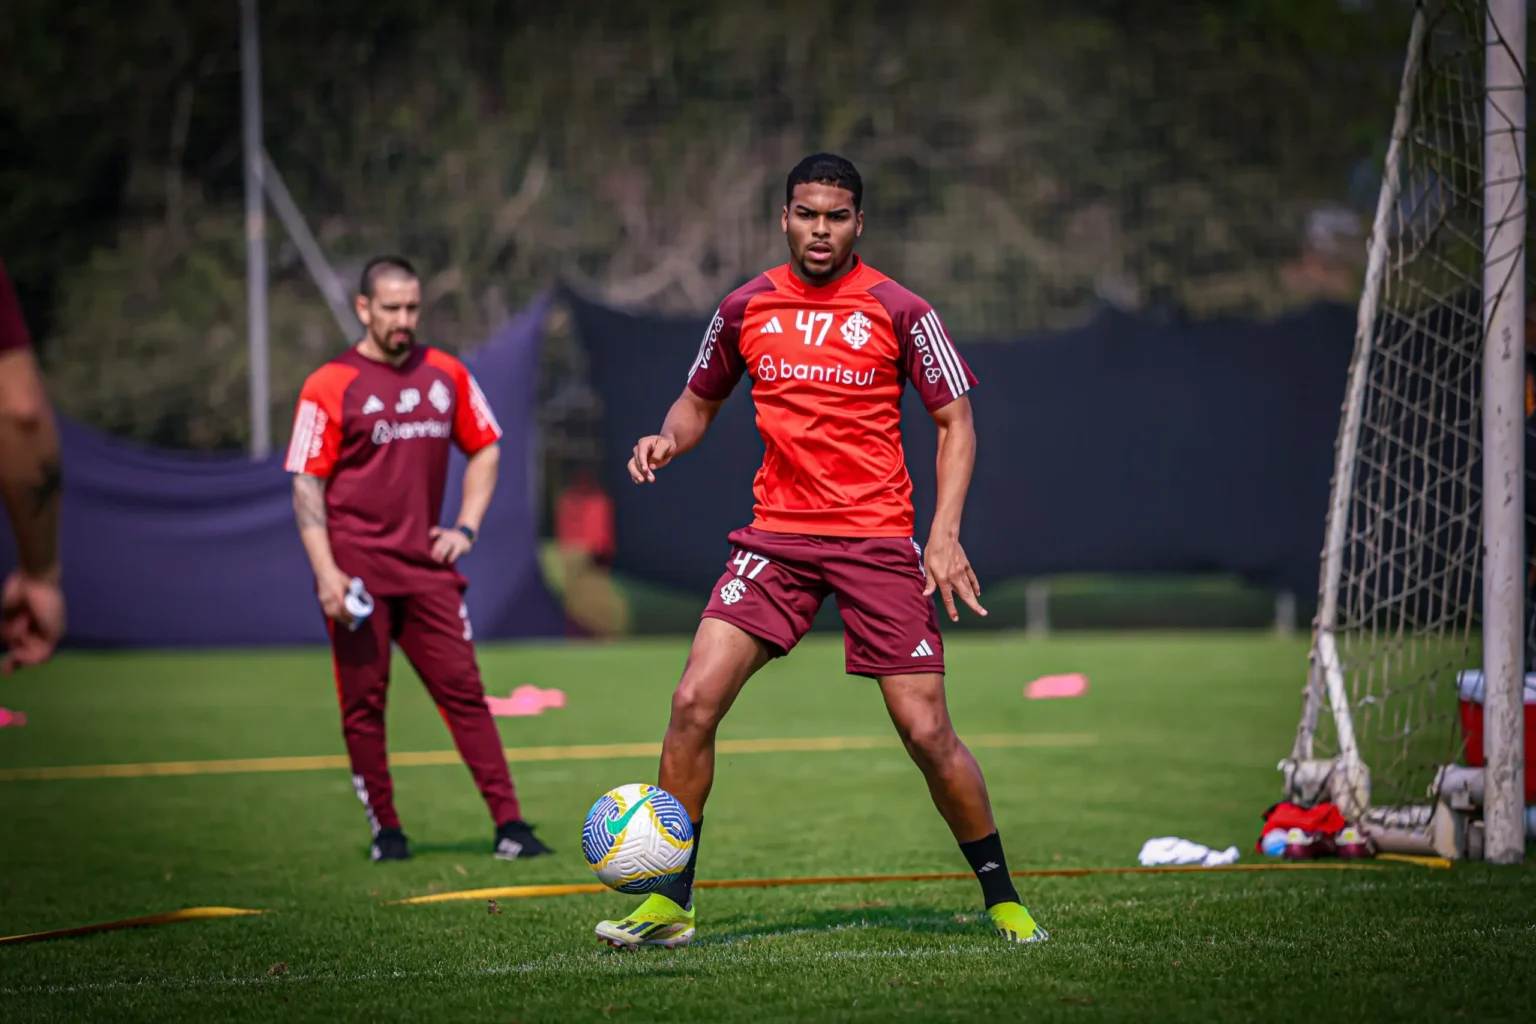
32,480
686,422
330,582
449,546
949,570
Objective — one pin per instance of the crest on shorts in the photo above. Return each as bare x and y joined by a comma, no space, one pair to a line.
733,591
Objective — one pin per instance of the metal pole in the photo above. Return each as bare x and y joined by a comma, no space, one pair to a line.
1037,608
255,235
1328,667
1285,613
1326,679
1504,430
320,269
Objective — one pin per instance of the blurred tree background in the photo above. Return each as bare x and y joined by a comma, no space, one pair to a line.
1024,161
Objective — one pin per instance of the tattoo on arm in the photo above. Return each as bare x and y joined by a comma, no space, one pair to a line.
309,501
46,491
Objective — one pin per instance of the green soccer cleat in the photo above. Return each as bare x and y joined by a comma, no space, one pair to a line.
656,922
1013,922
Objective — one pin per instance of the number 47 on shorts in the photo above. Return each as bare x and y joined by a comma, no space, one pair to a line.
749,564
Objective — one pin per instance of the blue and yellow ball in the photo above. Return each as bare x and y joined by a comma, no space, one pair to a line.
637,838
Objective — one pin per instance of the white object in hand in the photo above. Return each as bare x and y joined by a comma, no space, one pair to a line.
359,602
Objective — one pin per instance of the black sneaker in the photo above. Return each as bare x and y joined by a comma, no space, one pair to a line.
390,844
515,841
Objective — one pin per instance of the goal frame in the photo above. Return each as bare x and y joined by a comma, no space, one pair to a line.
1346,778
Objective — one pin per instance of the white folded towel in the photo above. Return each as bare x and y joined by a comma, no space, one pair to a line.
1173,850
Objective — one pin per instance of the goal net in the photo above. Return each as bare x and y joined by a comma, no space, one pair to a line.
1400,603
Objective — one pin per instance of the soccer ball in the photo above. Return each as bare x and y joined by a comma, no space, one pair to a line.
1273,843
637,838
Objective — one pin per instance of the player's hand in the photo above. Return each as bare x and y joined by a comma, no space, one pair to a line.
950,573
332,588
31,620
650,455
448,546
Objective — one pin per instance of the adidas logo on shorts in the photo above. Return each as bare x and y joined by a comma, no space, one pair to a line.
923,650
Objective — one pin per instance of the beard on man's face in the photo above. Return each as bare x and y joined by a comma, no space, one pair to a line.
398,340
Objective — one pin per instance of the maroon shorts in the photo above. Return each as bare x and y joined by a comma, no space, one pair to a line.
774,584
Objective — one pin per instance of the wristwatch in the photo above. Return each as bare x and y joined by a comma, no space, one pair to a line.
466,531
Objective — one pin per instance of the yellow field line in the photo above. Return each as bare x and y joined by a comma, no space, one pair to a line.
592,752
1409,858
173,917
584,888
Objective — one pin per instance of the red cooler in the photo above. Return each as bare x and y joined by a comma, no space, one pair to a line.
1469,686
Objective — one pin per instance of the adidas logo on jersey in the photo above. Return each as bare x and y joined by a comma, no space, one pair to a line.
372,406
923,650
773,326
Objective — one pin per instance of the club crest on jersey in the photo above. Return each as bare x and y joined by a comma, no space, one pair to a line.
372,406
438,395
856,330
410,398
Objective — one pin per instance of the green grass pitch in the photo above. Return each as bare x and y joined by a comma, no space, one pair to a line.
1186,732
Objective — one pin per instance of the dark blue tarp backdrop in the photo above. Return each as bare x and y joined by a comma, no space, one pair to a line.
171,549
1126,446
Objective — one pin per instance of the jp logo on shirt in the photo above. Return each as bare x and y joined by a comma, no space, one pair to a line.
770,369
439,397
410,398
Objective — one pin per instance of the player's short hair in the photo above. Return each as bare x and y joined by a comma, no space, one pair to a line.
826,169
382,266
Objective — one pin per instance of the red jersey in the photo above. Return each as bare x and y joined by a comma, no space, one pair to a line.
13,329
828,365
379,435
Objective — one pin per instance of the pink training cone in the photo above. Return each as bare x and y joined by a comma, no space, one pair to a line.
525,702
11,719
1073,685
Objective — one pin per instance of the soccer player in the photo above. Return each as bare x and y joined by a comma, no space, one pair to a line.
32,479
829,343
370,461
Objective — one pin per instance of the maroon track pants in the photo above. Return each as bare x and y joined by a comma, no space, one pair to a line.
433,631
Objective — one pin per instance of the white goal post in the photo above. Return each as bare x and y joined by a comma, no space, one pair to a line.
1425,555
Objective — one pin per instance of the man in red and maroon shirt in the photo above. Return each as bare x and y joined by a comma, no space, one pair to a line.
829,344
31,478
369,456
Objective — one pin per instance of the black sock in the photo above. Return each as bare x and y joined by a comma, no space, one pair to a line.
986,858
681,891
